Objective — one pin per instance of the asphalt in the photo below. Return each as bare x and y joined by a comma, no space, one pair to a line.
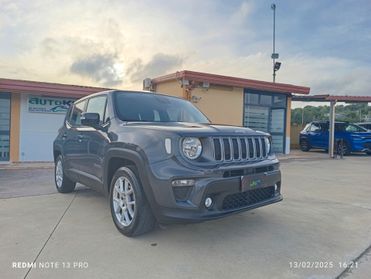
324,222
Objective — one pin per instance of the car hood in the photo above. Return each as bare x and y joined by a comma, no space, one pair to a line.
197,129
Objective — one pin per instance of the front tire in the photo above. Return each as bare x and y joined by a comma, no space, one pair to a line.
130,210
304,146
62,182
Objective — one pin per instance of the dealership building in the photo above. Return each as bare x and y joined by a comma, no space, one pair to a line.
260,105
32,112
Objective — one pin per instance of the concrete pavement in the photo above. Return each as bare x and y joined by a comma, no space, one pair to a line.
324,220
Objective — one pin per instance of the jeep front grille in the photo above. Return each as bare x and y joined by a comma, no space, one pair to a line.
240,148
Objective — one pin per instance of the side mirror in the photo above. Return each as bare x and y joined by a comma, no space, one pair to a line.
90,119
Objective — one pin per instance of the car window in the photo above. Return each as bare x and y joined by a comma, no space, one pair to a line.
351,128
315,127
306,128
98,105
340,127
77,110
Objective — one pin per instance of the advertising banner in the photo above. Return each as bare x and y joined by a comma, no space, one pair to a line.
46,104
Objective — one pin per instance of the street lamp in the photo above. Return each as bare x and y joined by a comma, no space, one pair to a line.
276,65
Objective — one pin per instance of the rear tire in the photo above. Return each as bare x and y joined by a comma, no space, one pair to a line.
62,182
343,147
304,146
130,210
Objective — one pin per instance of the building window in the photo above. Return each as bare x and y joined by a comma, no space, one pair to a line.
4,126
266,111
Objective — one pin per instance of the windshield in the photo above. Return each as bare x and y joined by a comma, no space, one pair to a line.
156,108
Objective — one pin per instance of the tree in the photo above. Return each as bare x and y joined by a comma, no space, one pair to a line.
351,113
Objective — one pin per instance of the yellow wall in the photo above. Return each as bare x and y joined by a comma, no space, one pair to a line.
221,104
295,132
171,88
15,106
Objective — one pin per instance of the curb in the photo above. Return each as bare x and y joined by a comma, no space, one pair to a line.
27,166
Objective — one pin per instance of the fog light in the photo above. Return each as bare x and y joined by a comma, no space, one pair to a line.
183,182
208,202
275,187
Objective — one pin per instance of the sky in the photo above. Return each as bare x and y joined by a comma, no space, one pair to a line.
117,43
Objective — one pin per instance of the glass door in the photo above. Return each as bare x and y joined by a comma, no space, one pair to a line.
4,126
266,111
277,129
256,117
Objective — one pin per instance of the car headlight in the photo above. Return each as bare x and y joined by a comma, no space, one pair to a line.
192,148
268,144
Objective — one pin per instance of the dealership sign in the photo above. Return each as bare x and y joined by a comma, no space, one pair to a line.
48,104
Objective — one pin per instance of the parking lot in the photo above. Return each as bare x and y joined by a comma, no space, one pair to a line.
323,224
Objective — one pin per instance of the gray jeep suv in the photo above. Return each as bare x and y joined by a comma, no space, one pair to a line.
158,158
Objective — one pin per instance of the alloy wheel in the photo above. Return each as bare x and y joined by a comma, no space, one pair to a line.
59,174
123,200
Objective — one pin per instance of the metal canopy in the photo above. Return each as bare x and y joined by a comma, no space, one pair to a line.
326,98
332,99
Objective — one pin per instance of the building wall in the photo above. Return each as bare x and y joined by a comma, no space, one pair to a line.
15,107
294,135
37,133
221,104
171,88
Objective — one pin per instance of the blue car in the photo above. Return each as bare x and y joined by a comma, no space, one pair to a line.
348,137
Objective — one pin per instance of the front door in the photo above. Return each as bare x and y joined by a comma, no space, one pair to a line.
75,147
97,138
277,129
266,111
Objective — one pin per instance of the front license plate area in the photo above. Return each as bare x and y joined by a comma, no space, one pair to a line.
249,182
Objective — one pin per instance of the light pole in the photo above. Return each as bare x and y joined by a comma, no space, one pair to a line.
276,65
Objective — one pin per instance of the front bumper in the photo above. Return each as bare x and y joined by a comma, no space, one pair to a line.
232,190
361,145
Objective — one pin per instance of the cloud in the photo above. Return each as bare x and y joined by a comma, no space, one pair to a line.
159,64
242,12
327,75
79,44
102,68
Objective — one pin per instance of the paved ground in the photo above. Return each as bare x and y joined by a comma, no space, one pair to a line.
325,217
